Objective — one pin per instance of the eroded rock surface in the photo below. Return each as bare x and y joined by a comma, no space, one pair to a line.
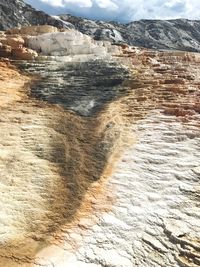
83,87
13,46
70,42
103,160
155,218
32,30
28,42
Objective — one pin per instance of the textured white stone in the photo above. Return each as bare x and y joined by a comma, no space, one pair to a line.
150,200
70,42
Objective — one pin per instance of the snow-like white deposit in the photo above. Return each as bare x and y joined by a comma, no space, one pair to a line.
70,42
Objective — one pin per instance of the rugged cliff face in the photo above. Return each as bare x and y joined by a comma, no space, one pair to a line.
99,157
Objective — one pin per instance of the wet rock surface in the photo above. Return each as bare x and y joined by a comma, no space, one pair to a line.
115,183
155,218
84,87
69,43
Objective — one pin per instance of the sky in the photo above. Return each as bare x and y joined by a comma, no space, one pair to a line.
121,10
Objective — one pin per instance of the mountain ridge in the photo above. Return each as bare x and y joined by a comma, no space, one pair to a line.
177,34
16,13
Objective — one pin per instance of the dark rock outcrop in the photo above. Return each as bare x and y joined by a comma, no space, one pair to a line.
178,34
72,86
5,50
15,13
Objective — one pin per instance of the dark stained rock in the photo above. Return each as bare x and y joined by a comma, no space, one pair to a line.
5,50
83,87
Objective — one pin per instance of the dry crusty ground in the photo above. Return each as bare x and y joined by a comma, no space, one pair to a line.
50,208
12,84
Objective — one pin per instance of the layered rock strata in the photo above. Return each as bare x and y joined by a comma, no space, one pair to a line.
27,43
13,46
80,192
70,42
32,30
58,160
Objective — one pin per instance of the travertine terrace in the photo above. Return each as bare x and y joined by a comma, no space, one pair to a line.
102,171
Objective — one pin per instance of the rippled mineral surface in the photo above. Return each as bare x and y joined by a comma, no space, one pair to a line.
100,163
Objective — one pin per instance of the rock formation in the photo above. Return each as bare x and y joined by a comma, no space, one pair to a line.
27,42
24,53
32,30
13,46
5,50
178,34
70,42
99,155
13,42
16,13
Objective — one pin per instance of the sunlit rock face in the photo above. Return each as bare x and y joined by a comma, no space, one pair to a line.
70,42
177,34
100,161
16,13
13,46
32,30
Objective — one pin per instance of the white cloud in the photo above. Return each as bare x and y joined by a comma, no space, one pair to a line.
107,4
80,3
56,3
64,3
123,10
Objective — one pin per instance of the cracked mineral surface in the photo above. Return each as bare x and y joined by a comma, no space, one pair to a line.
100,161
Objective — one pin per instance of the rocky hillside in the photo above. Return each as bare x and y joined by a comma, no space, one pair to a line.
180,34
15,13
